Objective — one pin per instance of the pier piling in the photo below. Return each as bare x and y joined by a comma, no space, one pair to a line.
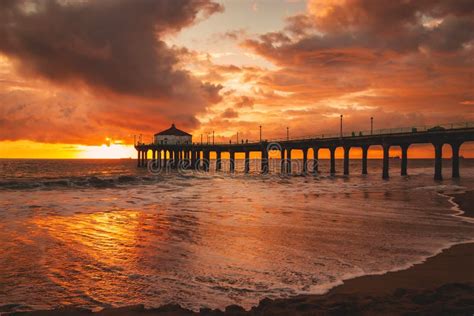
232,161
305,160
385,163
218,161
346,159
247,162
315,160
438,161
455,163
365,151
404,163
332,151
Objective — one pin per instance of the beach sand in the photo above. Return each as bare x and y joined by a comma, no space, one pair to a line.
442,285
465,202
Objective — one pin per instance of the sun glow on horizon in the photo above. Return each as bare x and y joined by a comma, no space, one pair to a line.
25,149
112,151
35,150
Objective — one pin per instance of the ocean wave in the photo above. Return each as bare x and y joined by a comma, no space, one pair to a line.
75,182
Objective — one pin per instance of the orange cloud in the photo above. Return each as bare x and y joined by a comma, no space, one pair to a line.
111,74
365,58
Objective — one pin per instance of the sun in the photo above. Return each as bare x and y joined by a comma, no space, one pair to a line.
112,151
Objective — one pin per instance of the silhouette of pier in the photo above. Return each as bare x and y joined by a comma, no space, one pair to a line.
197,155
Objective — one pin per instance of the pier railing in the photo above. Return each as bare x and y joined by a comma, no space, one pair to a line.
388,131
356,133
375,132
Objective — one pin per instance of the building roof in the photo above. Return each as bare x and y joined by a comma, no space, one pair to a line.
173,131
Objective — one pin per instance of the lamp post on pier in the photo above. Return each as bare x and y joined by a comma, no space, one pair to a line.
371,125
287,133
260,133
341,126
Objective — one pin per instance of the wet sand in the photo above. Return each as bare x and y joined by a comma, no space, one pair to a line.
442,285
465,202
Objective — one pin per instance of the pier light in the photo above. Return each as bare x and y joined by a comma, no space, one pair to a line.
371,125
341,126
260,133
287,133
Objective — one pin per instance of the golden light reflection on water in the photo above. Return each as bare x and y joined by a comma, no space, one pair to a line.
95,254
98,233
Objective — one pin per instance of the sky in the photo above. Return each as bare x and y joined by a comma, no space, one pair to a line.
80,78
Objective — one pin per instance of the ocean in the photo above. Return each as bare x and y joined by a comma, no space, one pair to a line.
101,233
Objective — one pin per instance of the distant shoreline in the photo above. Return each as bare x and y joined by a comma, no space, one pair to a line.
443,283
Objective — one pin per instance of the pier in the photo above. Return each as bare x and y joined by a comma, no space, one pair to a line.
197,155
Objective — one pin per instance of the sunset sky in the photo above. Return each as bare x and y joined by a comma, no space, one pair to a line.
79,78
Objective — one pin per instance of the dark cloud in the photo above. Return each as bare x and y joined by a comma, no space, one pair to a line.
382,17
396,26
109,46
397,55
229,113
